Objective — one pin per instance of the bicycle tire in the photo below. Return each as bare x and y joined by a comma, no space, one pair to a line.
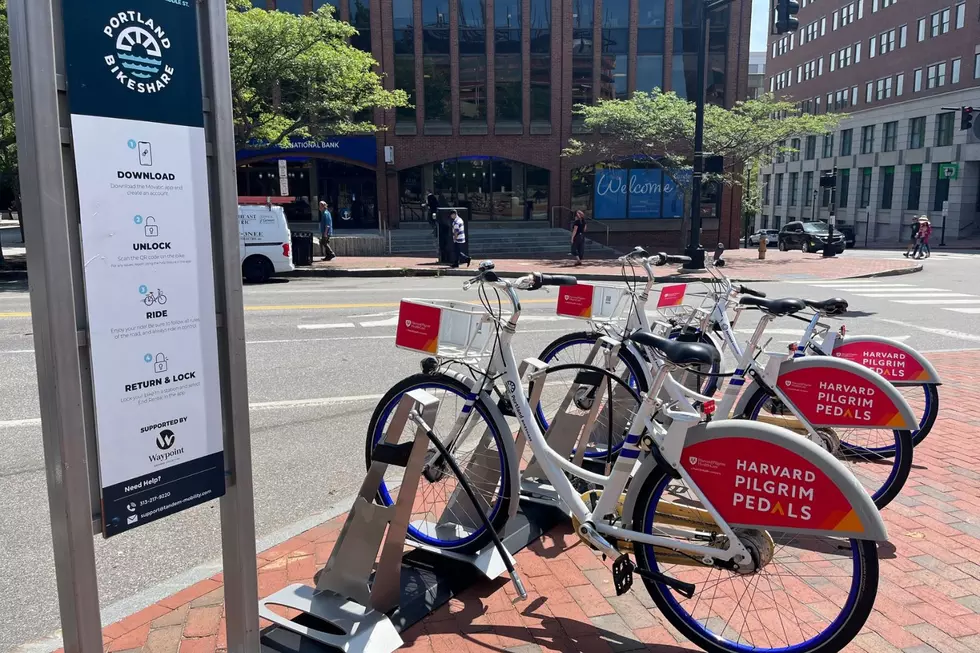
926,422
598,429
901,467
854,614
632,363
499,512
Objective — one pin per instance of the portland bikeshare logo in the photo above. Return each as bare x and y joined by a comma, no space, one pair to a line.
139,48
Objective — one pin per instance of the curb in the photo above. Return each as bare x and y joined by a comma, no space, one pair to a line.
510,274
312,273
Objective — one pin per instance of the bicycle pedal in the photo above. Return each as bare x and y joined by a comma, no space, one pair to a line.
622,571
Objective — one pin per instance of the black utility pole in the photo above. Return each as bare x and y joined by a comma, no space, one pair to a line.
694,250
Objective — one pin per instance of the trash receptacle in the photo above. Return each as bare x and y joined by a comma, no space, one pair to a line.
302,245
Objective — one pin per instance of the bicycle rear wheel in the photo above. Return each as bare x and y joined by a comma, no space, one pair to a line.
442,514
882,477
811,595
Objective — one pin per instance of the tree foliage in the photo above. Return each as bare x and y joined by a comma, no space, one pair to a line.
297,76
8,135
660,126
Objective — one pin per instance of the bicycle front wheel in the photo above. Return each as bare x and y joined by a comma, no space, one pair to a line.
924,400
882,477
442,514
810,594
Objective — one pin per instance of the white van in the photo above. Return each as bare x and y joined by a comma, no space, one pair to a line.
264,241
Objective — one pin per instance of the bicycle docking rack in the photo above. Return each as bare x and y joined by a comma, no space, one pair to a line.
570,430
362,601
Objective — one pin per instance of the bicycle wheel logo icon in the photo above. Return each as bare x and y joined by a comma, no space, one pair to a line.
150,298
138,48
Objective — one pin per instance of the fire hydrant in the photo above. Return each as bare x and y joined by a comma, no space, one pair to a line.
763,241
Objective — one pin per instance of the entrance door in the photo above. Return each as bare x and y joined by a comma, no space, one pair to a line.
351,193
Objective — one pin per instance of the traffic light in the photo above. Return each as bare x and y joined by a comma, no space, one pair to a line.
966,117
784,16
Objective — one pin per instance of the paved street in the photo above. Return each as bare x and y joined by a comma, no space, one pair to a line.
320,354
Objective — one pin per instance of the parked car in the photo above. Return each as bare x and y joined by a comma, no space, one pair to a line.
808,236
772,236
846,229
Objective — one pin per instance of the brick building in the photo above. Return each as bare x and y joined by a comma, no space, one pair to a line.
893,66
493,83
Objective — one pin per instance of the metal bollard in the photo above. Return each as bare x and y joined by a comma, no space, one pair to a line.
763,242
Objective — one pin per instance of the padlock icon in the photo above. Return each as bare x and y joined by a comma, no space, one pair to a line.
160,364
150,227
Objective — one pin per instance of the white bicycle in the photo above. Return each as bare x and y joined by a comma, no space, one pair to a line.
747,536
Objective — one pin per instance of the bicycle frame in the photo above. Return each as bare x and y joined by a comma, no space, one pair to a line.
668,442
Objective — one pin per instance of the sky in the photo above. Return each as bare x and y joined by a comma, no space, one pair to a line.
760,25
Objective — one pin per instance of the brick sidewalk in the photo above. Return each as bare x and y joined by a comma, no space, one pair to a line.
742,264
928,599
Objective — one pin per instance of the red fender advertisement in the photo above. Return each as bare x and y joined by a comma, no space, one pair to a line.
889,358
837,392
753,482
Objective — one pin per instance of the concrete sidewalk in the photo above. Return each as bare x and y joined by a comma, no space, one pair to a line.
741,264
928,599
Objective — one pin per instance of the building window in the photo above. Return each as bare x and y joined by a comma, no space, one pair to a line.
917,133
811,148
404,48
890,137
865,199
766,180
472,62
846,136
899,84
903,34
873,47
540,60
868,139
945,25
613,63
781,152
870,93
954,75
650,45
435,61
828,146
360,17
915,187
794,187
942,189
887,186
778,201
507,64
582,21
808,188
316,5
844,186
921,30
794,154
976,66
291,6
936,75
684,69
918,80
944,129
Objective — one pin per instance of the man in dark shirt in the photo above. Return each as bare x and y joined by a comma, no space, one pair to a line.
432,209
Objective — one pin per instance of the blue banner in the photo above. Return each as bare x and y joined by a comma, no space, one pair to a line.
610,194
674,194
645,193
356,148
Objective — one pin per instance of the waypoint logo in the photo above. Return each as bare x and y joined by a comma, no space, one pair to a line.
166,439
139,44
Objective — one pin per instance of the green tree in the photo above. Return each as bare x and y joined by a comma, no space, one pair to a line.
297,76
8,134
660,126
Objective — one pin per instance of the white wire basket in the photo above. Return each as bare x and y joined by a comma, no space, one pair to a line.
593,302
445,328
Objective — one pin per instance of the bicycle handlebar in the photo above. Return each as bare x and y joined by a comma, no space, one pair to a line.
745,290
554,280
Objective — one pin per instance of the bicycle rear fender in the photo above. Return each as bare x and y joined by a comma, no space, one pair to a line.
765,477
892,359
836,392
508,442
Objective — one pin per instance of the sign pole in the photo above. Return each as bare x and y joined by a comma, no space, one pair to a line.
57,316
237,505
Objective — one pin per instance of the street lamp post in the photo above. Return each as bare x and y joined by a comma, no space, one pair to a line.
694,250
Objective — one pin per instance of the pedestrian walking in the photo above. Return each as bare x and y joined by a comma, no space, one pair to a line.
578,237
913,238
459,240
326,231
432,210
922,249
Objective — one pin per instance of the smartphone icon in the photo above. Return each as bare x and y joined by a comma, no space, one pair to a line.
146,153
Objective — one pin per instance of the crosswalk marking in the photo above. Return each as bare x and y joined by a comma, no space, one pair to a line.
902,293
926,302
